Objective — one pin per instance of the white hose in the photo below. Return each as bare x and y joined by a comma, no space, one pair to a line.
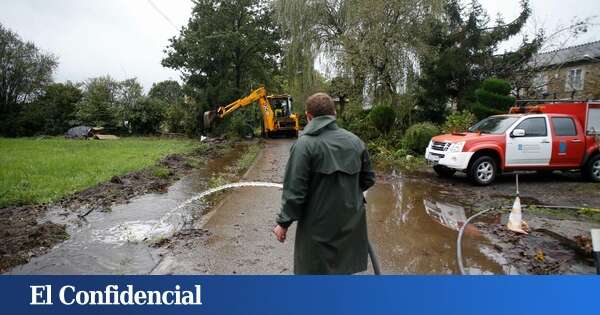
205,193
227,186
459,258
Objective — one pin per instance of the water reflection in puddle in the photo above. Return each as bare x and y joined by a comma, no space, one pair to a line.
413,227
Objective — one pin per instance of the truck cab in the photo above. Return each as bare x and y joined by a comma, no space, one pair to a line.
544,137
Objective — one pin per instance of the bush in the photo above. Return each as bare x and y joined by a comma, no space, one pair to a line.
356,121
417,136
236,125
383,117
496,86
459,122
175,117
239,125
492,98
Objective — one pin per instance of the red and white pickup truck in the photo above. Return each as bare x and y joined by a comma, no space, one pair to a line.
544,137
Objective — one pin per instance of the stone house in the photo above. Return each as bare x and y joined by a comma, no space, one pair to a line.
567,73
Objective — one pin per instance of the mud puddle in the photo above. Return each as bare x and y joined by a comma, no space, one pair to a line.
119,240
413,227
414,222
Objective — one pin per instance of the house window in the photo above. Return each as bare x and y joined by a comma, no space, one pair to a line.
574,80
540,83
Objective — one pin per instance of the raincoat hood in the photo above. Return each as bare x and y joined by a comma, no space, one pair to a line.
318,124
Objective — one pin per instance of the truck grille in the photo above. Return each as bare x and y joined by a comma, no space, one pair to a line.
440,146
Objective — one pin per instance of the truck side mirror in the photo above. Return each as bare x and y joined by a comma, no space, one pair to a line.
518,133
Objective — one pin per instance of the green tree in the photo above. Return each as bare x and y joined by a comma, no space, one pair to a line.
171,93
493,98
227,48
341,88
98,106
147,115
24,72
374,43
168,91
53,112
128,93
463,52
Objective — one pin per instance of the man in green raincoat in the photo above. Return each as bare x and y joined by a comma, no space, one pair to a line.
326,174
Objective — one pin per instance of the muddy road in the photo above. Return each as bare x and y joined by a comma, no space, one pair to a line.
240,239
413,221
406,237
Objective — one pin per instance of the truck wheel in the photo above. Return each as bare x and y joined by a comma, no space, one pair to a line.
591,171
443,171
483,171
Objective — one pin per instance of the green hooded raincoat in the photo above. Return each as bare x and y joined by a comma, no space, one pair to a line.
325,177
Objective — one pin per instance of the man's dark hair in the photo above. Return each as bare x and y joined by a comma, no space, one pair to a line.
320,104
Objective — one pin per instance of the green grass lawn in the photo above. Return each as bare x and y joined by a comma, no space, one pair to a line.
38,171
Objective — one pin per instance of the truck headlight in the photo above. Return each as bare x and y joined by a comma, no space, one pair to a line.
456,147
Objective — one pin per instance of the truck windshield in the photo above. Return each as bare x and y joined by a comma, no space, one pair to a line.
494,125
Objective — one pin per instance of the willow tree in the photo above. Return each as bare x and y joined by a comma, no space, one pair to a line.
372,43
300,46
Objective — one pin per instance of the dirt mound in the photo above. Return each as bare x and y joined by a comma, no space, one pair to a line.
23,237
120,189
540,252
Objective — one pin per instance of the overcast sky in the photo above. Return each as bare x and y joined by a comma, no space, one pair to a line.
126,38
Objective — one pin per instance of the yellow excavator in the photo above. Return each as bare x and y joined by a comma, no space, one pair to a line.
278,118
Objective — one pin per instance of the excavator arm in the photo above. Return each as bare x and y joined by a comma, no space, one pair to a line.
245,101
259,95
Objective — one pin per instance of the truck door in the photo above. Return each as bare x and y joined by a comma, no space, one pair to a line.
568,142
533,148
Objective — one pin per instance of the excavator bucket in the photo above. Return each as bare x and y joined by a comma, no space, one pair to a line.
209,118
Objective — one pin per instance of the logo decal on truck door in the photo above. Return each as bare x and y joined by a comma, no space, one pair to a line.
562,147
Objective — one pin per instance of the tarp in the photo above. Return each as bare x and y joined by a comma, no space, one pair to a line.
79,132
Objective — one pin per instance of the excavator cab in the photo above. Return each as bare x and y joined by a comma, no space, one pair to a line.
281,106
284,118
